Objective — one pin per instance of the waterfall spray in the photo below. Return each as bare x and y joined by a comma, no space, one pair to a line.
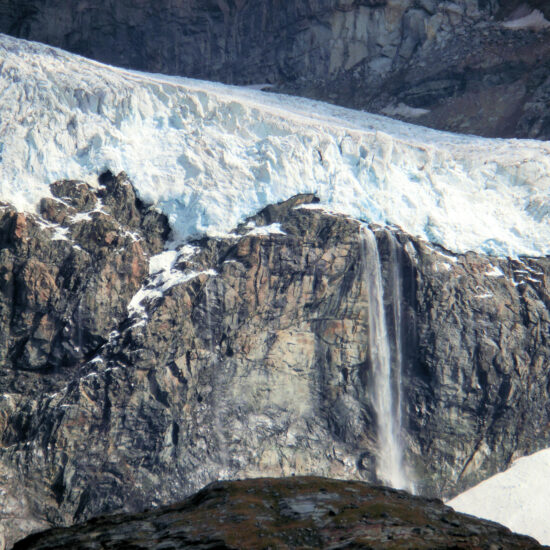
385,392
397,300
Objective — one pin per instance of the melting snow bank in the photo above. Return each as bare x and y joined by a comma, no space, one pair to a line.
208,155
518,498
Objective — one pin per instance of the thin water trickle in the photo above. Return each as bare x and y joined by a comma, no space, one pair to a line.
79,339
385,389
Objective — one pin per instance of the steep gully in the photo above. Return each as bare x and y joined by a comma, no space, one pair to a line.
261,353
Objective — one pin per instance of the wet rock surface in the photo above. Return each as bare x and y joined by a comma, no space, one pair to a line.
456,66
248,356
298,512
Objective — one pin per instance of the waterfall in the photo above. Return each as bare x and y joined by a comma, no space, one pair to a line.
397,300
385,388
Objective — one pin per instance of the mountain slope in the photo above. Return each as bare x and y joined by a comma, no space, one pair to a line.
251,355
209,155
472,66
137,369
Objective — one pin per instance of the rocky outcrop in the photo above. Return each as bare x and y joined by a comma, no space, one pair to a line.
249,355
67,276
288,513
480,380
452,65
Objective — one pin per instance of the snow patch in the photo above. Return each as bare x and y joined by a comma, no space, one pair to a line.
273,229
404,110
518,498
533,21
209,155
494,272
448,257
163,275
60,234
441,266
163,262
313,206
81,217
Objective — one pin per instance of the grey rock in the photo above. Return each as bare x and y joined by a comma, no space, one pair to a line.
67,276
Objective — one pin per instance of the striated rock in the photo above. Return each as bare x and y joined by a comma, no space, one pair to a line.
457,66
298,512
249,356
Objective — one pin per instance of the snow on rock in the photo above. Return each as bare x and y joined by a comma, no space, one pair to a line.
494,272
273,229
163,275
209,155
404,110
533,21
518,498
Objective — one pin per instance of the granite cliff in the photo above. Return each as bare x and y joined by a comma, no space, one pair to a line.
471,66
248,355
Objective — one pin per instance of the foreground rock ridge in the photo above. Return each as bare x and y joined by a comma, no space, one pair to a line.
471,66
134,374
298,512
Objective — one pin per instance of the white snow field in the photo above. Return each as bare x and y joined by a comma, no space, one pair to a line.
210,154
518,498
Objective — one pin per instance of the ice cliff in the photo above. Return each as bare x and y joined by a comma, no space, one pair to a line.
210,154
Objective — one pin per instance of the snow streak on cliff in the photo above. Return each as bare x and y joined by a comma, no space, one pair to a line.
209,154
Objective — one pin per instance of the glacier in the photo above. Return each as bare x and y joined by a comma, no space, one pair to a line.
208,154
518,498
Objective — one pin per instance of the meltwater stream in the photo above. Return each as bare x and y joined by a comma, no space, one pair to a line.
385,389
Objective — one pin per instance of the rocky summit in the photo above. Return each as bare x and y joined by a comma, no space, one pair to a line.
470,66
136,371
301,512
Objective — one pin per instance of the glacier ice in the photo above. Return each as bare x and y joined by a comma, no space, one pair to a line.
518,498
208,154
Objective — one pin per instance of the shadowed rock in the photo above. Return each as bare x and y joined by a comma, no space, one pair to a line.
288,513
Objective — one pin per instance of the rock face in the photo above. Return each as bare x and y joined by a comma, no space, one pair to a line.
67,277
464,66
288,513
483,350
248,356
65,281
